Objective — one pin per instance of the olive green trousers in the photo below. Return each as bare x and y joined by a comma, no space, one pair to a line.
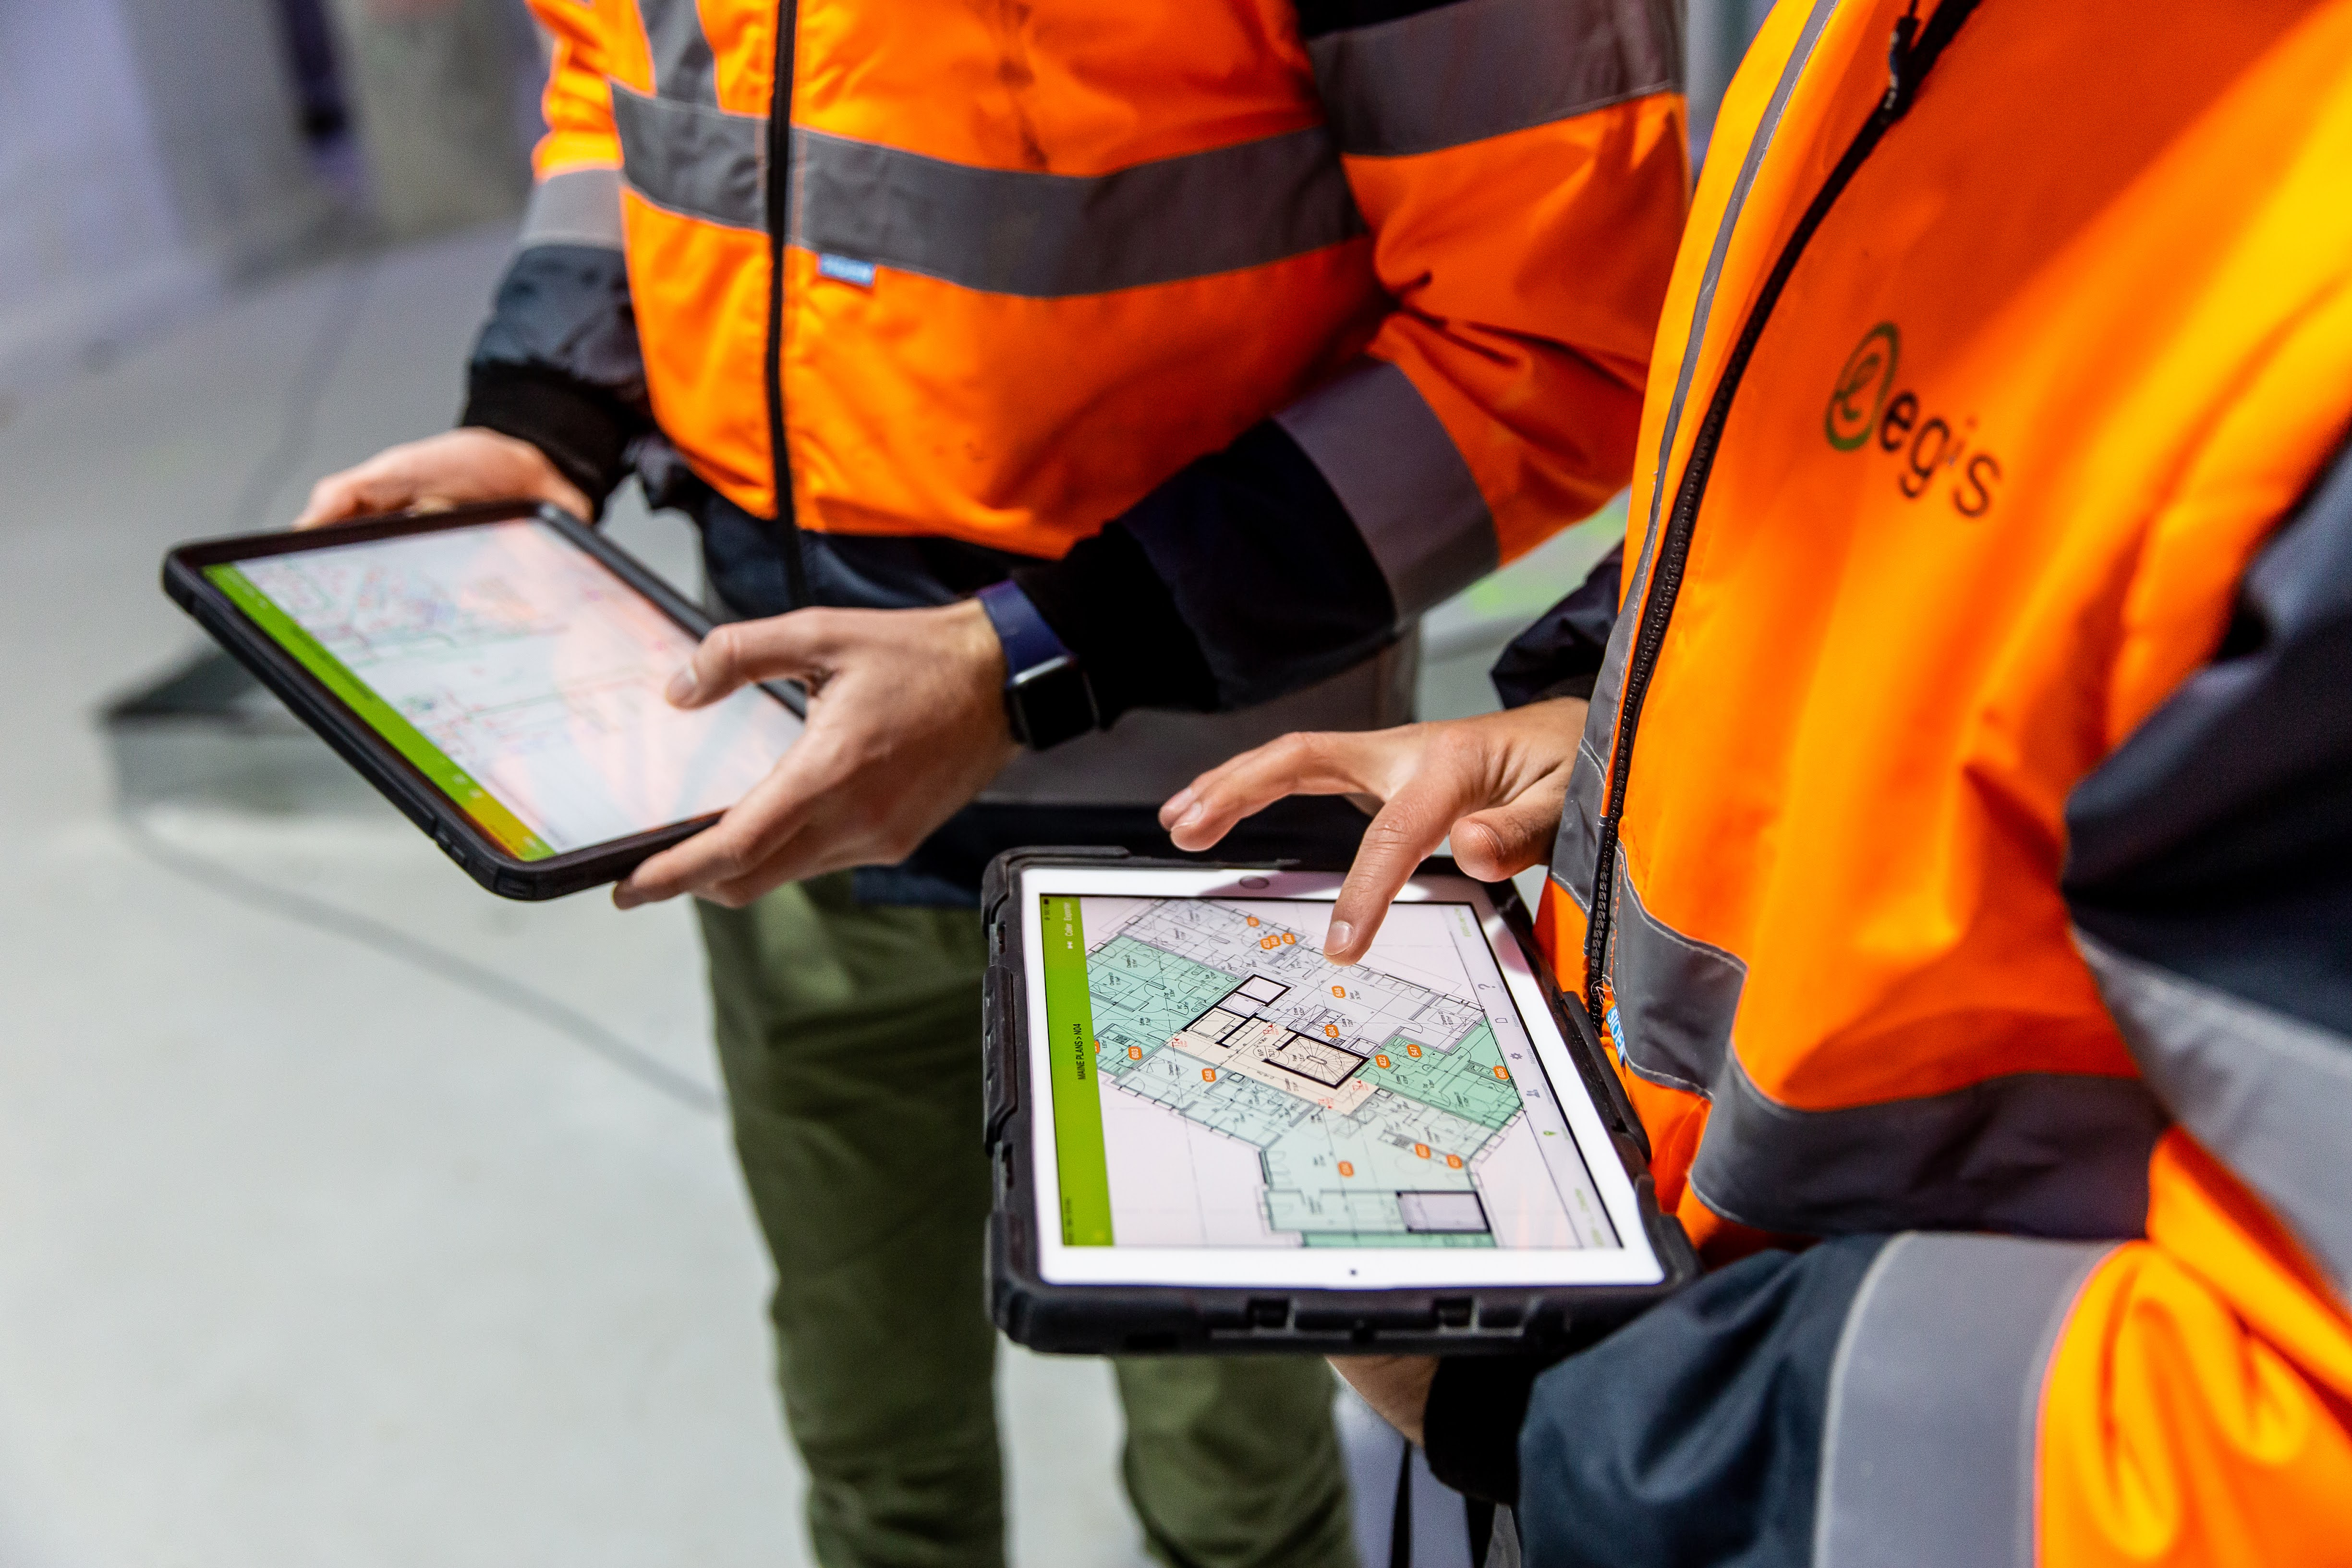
849,1036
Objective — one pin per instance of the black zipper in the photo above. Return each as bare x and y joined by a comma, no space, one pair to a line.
1911,53
780,142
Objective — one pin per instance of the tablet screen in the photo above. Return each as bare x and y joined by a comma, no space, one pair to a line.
519,674
1229,1107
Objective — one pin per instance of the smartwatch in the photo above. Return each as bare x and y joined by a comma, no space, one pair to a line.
1047,698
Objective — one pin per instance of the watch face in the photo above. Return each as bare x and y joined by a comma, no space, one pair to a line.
1049,703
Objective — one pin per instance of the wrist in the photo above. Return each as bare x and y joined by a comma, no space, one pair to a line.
1109,605
530,471
1048,697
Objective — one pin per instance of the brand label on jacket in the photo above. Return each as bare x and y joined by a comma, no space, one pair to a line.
1865,409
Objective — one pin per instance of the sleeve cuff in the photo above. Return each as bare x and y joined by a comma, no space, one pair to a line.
582,431
1561,654
1240,579
1112,611
1470,1432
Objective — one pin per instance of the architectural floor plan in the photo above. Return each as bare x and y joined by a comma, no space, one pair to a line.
1255,1094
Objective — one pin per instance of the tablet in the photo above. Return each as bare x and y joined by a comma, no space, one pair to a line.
1208,1136
496,671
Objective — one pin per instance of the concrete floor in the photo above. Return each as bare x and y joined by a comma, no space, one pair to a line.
348,1215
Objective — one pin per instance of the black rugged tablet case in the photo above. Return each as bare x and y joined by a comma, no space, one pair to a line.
392,774
1135,1318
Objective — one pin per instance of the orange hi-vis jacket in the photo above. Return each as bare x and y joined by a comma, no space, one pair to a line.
1035,258
1960,848
977,282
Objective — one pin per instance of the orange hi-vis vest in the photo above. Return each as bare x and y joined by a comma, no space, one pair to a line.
1963,424
1033,259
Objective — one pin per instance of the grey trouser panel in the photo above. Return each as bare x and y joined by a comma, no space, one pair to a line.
850,1039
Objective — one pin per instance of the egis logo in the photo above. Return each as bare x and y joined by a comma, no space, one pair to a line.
1862,386
1865,405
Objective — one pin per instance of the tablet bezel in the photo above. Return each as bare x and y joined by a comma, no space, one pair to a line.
1631,1263
1113,1318
352,738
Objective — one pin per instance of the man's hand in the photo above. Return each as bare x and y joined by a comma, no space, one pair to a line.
1495,783
906,724
1397,1386
439,472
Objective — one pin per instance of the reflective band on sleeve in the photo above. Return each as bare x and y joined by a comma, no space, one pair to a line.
2061,1155
1477,68
699,162
2266,1094
1399,474
1043,236
1934,1402
574,207
683,69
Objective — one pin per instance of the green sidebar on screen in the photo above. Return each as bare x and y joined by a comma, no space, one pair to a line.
507,830
1077,1099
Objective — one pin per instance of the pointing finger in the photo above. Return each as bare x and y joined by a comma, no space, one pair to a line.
1406,832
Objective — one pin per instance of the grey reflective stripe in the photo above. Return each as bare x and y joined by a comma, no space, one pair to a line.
1928,1453
2061,1155
1609,689
574,207
1704,306
1503,1545
1477,69
1149,754
1399,474
2268,1095
1676,997
1577,844
683,69
701,163
1007,231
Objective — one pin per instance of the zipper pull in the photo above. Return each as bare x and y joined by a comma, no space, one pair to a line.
1605,1021
1900,82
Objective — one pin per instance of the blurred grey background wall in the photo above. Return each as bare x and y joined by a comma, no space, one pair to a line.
156,154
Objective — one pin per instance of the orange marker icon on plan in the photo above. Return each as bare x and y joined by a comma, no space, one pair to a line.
1346,1169
1421,1150
1412,1050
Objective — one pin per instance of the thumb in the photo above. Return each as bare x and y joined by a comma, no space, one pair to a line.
742,651
333,498
1507,839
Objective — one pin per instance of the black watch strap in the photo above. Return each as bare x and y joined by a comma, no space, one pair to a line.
1047,698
